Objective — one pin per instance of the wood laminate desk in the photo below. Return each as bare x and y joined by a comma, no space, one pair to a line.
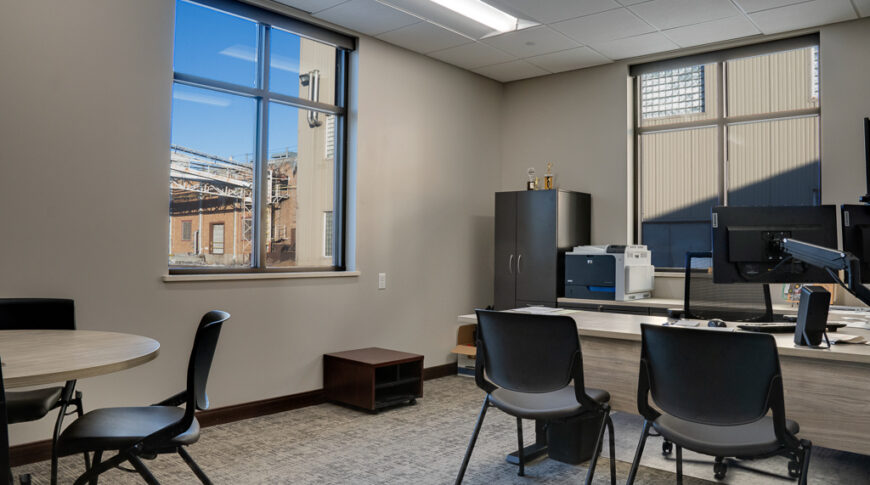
36,357
826,391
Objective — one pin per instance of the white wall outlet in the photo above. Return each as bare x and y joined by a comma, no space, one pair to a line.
382,281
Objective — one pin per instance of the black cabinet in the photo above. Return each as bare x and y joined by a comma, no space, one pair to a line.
533,229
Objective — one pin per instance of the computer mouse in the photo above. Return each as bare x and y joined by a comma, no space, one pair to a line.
716,323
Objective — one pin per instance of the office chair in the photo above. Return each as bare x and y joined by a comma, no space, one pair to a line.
5,466
713,391
703,299
23,406
144,432
525,364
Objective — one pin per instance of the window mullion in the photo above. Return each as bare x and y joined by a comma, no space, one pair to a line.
722,135
261,170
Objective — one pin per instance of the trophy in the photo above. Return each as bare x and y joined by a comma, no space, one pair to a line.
532,184
548,178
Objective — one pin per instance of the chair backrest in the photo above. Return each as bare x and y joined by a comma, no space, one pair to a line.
198,367
704,299
5,466
527,353
37,313
710,376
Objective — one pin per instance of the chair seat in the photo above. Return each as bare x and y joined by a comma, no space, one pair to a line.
23,406
119,428
757,438
544,405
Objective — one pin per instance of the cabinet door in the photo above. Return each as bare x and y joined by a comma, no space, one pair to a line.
505,250
537,255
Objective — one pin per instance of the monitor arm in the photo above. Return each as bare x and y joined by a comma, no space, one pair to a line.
832,260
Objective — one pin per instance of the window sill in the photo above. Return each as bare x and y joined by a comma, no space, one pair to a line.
670,274
175,278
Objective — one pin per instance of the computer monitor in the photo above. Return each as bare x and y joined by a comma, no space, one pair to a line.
855,220
747,243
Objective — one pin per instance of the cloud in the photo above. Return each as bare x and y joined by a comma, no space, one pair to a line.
200,98
249,54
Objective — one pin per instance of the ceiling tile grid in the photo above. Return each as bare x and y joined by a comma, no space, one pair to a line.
563,35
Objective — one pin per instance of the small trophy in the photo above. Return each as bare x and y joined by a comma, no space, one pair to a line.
532,184
548,178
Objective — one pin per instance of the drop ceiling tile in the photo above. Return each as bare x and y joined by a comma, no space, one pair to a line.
311,5
755,5
531,42
511,71
473,55
549,11
863,7
610,25
569,60
631,2
667,14
424,38
801,15
366,16
634,46
714,31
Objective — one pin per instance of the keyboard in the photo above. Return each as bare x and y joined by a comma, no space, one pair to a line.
780,327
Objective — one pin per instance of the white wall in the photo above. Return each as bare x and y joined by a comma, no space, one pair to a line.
85,97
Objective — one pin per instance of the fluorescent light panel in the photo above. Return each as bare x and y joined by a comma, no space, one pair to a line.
481,12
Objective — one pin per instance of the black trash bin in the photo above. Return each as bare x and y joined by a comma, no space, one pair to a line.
572,440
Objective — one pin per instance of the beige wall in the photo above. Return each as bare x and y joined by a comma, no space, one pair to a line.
84,140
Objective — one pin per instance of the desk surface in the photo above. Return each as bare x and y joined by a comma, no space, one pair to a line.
627,327
36,357
663,303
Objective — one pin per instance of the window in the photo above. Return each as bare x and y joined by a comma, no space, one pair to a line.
736,127
258,124
327,234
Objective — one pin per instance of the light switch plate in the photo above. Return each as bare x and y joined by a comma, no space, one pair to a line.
382,281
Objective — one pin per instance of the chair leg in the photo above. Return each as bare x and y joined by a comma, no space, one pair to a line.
590,472
100,467
679,465
610,437
473,440
805,465
638,454
193,466
143,470
522,459
80,411
98,456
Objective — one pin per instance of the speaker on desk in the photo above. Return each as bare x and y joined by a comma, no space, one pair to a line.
812,316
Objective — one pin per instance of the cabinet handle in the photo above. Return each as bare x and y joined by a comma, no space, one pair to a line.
519,258
510,264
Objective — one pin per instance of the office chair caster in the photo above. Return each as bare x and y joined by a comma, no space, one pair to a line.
667,448
794,468
719,468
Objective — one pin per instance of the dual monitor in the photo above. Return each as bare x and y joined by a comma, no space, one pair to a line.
747,241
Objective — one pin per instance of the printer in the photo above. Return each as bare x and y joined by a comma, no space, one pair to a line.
609,272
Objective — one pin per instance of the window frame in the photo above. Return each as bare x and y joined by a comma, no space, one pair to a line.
721,122
266,20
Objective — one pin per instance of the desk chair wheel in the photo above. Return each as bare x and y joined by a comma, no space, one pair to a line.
719,468
794,468
24,479
667,448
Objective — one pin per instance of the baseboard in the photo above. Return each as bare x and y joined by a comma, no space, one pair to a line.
41,450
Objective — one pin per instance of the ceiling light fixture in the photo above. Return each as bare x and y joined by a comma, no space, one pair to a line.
482,13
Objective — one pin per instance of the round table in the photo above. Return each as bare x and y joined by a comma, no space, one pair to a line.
36,357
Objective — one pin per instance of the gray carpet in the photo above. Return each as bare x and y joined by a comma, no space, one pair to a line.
421,444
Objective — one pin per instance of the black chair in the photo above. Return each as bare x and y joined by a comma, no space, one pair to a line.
144,432
713,390
5,466
703,299
525,363
23,406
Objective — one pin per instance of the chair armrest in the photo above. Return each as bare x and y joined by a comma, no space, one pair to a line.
176,400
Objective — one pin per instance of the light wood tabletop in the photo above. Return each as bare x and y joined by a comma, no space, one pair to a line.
36,357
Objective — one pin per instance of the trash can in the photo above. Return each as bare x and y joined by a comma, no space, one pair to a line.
572,440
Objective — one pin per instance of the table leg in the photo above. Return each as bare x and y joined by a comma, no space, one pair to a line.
534,450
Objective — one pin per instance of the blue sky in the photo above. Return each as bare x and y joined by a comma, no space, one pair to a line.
223,47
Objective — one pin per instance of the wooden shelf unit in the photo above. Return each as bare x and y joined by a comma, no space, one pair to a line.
372,378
